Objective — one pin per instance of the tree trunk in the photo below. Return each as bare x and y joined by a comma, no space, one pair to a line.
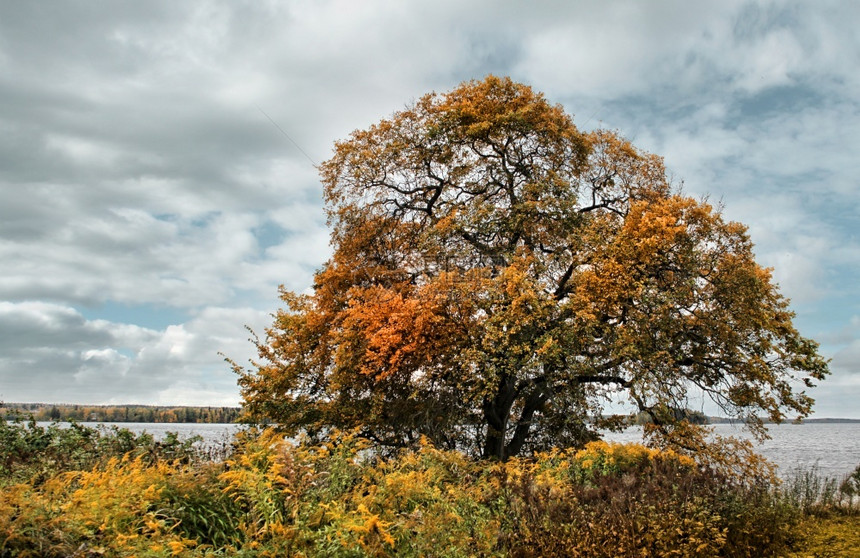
496,414
535,401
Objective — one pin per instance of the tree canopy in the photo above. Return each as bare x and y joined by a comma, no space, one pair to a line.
499,277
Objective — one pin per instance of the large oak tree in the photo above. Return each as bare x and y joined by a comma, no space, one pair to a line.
499,276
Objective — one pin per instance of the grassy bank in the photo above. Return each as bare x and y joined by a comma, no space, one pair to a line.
81,492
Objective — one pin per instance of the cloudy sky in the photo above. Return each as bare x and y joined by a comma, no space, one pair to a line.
149,207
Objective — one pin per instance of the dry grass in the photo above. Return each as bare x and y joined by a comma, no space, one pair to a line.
834,536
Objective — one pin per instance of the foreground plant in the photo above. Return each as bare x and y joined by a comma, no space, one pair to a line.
274,498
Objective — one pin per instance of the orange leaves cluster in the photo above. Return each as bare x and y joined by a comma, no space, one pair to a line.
396,333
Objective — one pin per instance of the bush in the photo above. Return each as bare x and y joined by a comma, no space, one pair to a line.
113,508
339,500
274,498
32,452
618,500
849,488
199,508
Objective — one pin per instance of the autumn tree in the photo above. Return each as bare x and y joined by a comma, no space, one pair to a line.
499,276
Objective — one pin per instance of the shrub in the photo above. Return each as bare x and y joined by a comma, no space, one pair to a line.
338,500
111,509
628,500
200,509
276,498
32,452
849,489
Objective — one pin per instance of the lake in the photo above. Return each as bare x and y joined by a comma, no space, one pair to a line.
833,447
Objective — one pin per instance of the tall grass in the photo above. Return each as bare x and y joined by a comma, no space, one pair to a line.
813,493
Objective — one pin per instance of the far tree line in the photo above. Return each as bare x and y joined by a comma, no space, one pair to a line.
122,413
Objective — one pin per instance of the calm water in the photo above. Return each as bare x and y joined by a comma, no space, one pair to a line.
834,448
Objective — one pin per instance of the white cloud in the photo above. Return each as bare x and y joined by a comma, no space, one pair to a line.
52,350
612,50
82,151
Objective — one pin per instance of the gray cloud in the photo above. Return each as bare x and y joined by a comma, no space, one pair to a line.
48,349
137,169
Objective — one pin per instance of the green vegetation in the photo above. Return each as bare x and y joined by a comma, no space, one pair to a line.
122,413
81,491
31,453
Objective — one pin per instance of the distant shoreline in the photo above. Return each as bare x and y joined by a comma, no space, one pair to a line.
178,414
724,420
169,414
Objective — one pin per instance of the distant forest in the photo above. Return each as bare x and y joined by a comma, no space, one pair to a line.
147,413
120,413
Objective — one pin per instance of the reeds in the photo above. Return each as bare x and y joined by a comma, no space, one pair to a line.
814,494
